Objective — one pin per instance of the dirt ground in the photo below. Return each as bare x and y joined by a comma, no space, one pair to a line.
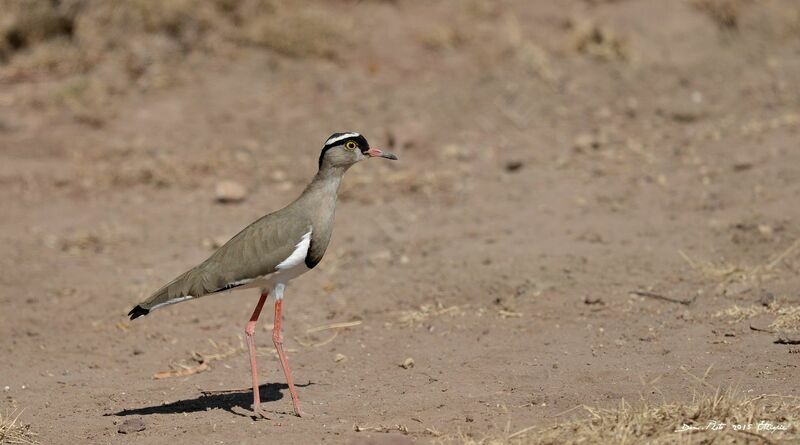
555,159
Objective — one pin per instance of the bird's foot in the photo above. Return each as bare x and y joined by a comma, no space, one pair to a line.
259,412
300,413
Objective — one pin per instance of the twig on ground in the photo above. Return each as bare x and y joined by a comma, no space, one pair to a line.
202,360
780,257
344,324
182,372
750,433
758,329
381,429
570,410
661,297
13,431
522,431
698,379
216,392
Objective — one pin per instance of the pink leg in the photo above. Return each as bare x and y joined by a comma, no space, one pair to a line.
277,339
249,332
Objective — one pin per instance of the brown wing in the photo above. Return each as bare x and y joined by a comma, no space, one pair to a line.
254,252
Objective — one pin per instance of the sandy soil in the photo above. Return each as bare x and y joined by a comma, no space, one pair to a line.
554,158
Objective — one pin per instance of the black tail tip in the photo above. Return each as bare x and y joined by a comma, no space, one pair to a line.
138,311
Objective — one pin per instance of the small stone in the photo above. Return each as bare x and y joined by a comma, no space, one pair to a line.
453,151
765,230
593,300
767,299
339,358
407,363
6,388
585,142
380,256
131,426
513,166
230,192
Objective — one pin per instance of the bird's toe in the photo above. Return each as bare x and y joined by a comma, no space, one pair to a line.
260,413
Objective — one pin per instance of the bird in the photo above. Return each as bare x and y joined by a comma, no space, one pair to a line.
272,251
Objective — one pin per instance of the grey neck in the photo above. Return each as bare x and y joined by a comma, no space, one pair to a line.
326,181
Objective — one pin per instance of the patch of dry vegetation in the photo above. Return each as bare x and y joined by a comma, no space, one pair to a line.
139,40
787,318
766,416
305,32
201,361
728,273
12,431
599,41
427,312
724,13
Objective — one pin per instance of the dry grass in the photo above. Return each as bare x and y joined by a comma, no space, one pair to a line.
737,313
740,273
138,42
787,318
599,41
427,312
12,431
311,340
657,425
201,361
299,32
724,13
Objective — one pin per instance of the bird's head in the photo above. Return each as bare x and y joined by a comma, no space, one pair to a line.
345,149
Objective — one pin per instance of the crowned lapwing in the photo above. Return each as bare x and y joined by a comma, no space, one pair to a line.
270,252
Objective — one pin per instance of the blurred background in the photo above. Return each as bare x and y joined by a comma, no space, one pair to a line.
560,164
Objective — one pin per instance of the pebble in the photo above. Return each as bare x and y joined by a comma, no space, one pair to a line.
593,300
407,363
512,166
131,426
230,192
585,142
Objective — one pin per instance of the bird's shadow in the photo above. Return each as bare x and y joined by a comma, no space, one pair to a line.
227,400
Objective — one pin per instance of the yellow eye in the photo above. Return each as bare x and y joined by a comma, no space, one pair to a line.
350,145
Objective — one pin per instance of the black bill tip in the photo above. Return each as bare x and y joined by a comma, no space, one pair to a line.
137,312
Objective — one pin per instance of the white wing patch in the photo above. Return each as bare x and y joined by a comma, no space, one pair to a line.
230,286
341,137
297,257
173,301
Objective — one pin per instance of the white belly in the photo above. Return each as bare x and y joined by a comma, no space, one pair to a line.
292,267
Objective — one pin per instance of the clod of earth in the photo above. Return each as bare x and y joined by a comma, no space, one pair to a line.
131,426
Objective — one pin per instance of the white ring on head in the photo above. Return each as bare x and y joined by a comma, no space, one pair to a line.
340,137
